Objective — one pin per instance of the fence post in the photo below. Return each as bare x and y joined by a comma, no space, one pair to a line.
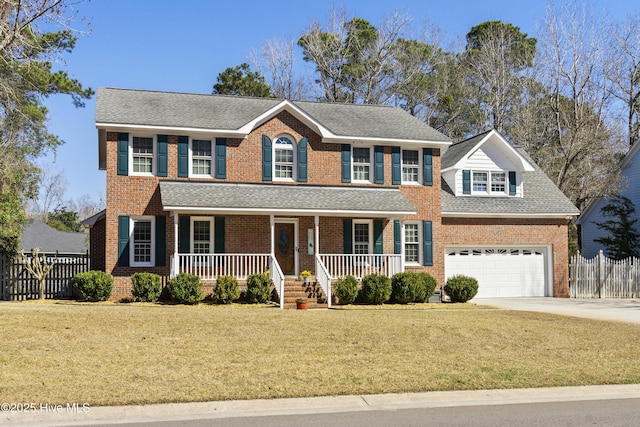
600,271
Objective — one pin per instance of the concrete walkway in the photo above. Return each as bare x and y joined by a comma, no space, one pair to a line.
622,310
317,405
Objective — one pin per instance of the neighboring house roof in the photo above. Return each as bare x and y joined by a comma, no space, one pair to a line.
238,116
37,234
298,199
91,221
541,197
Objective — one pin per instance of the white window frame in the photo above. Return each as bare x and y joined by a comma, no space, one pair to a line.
154,155
369,223
370,164
489,182
419,166
294,166
211,158
132,243
419,243
208,219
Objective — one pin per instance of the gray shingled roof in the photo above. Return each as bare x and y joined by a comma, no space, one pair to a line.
457,151
209,112
541,197
37,234
293,198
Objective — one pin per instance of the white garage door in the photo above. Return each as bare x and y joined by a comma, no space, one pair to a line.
501,272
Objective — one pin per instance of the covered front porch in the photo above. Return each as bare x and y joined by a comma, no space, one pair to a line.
244,229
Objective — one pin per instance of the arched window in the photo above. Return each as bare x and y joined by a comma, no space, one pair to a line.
284,158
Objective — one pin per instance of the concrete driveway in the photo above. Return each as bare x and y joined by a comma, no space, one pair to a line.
622,310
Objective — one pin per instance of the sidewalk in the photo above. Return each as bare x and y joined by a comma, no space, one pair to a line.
318,405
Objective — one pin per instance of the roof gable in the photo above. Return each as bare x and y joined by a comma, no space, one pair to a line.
489,147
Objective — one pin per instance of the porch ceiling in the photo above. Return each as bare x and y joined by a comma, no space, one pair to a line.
266,199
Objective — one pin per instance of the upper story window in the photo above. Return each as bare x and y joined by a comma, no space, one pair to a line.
284,159
201,157
142,155
489,182
361,164
410,166
142,242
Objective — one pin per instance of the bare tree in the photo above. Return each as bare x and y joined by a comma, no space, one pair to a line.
580,139
38,266
51,193
626,76
276,61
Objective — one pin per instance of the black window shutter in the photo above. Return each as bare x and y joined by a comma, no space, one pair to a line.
427,237
303,148
512,183
397,239
161,241
163,153
267,154
123,154
346,163
378,161
218,244
466,181
427,165
184,232
347,235
123,241
221,158
396,170
183,156
377,236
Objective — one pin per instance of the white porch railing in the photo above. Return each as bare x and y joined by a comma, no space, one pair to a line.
358,266
277,277
324,279
210,266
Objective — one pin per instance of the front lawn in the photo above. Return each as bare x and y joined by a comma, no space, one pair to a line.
120,354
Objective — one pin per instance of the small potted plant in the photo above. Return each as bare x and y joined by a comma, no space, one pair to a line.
301,303
305,275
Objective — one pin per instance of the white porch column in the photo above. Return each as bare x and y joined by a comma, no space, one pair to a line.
272,221
316,244
402,245
176,261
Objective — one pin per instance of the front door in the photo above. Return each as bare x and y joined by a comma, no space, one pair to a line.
285,247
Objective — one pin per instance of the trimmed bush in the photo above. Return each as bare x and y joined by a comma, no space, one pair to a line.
185,289
146,287
346,289
425,286
376,289
93,285
259,288
227,290
461,288
403,287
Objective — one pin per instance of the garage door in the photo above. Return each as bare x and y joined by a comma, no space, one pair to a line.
501,272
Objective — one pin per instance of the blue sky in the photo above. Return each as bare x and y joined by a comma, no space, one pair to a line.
181,46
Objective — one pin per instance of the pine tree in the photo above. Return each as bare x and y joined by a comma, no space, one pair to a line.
623,240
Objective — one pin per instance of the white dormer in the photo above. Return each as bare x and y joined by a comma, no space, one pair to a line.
485,165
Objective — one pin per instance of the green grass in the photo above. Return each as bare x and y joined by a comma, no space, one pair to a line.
114,354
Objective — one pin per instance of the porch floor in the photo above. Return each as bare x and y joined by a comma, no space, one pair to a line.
311,291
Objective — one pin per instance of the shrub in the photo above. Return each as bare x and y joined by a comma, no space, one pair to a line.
376,289
258,288
227,290
93,285
403,287
347,289
185,289
425,286
461,288
145,287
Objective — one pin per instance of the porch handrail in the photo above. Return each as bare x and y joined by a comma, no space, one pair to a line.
210,266
360,265
324,279
277,277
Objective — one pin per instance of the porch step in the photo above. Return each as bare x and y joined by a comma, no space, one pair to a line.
311,291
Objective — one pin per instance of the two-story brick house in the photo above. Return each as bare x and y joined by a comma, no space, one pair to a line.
214,185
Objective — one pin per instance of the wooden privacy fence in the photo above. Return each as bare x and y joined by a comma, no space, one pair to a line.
17,284
601,277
